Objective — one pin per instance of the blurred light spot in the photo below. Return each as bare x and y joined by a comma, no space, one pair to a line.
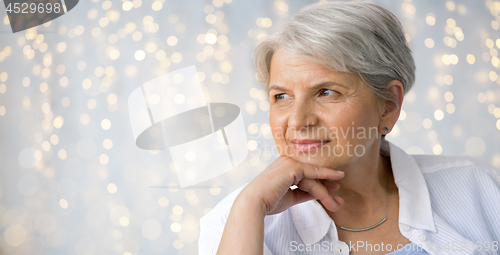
210,19
3,88
222,39
46,146
427,123
27,158
127,6
63,203
215,190
151,47
255,161
448,96
163,201
2,110
177,210
107,144
450,5
178,244
151,229
92,103
179,99
450,108
475,146
457,131
438,115
252,145
175,227
429,43
210,38
112,188
451,23
264,105
430,19
208,9
157,5
495,25
493,76
433,93
84,119
104,159
176,57
62,154
402,115
44,87
172,40
106,124
139,55
137,36
251,107
15,235
124,221
118,215
448,79
147,20
54,139
437,149
114,54
64,82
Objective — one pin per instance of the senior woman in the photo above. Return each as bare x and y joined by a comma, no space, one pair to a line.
336,75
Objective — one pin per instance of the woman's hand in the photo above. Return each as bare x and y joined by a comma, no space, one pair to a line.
272,186
270,193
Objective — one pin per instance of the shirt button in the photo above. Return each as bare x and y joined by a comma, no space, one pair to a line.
422,237
405,227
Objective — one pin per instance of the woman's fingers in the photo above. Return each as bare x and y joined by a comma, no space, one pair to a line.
331,186
306,171
319,191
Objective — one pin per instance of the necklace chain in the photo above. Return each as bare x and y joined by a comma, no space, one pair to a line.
386,211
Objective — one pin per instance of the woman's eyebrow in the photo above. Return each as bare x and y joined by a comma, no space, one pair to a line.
319,85
326,84
277,87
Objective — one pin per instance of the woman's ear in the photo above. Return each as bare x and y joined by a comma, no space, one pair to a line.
391,111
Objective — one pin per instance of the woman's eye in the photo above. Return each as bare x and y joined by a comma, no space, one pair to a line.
327,92
281,96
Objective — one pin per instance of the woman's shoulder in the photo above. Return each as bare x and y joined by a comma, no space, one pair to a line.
436,165
217,217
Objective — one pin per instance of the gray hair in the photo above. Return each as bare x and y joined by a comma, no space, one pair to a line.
350,37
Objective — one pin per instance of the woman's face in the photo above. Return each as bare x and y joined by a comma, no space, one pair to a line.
319,116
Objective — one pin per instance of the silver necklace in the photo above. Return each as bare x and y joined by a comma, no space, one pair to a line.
387,210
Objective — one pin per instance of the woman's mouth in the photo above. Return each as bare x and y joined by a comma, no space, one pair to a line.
308,145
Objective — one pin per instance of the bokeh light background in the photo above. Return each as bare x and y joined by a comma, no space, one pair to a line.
72,180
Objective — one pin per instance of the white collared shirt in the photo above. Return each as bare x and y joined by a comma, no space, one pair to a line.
447,205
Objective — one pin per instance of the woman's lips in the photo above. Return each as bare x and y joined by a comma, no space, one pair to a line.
308,145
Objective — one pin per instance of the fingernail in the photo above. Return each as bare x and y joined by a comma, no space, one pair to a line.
340,172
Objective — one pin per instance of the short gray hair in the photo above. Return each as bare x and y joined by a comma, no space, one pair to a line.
350,37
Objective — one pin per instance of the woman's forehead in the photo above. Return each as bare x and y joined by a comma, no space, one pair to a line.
286,67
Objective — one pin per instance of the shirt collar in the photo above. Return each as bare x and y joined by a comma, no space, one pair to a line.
312,222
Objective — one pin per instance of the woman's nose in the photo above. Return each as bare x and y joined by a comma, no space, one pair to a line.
301,115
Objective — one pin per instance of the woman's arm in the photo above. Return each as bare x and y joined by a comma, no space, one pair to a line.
270,193
244,230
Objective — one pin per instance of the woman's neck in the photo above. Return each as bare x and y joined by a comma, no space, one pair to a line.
363,189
